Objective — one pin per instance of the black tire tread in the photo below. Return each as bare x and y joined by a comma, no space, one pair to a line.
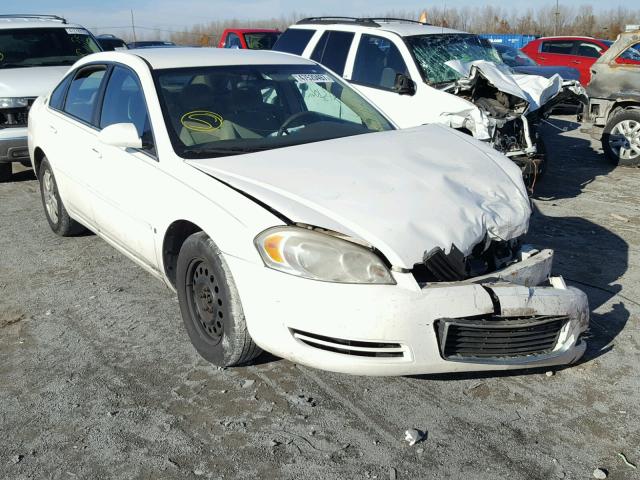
6,171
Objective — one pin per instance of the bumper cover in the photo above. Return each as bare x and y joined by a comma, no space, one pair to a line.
391,329
13,145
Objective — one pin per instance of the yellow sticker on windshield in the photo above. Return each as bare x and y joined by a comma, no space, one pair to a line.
201,121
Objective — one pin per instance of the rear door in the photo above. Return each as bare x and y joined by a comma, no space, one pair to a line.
556,52
333,49
584,56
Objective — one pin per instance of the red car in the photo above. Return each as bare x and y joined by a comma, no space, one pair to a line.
248,38
576,52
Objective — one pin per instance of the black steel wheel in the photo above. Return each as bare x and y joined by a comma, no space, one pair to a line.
210,304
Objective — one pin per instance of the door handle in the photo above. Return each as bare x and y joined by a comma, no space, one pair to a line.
97,152
577,62
53,129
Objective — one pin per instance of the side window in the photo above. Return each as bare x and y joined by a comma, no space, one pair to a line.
83,92
232,41
332,50
631,56
294,40
124,103
378,62
563,47
588,49
57,96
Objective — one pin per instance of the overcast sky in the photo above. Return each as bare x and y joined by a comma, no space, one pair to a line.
184,13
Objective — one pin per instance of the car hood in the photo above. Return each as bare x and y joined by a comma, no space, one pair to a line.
567,73
535,90
29,81
403,192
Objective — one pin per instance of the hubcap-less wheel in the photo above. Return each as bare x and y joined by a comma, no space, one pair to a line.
50,198
624,139
205,301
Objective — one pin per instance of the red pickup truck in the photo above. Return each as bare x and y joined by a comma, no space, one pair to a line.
248,38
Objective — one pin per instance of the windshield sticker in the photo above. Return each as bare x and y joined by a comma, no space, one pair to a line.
312,78
201,121
76,31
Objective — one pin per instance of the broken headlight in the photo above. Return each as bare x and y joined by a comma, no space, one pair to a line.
319,256
14,102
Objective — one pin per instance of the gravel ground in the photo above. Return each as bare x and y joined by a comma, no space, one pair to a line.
98,379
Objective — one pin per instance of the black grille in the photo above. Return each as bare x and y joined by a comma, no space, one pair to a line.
498,337
349,347
15,117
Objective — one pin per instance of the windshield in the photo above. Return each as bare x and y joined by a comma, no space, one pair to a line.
36,47
432,51
261,40
219,111
514,58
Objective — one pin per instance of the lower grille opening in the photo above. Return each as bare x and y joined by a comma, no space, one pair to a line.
349,347
498,337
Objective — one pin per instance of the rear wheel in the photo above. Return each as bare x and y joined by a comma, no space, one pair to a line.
5,172
59,220
621,138
210,305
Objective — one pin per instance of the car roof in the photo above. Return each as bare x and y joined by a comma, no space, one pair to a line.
402,28
185,57
34,21
253,30
567,37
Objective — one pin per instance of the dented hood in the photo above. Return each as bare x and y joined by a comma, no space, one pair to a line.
403,192
534,89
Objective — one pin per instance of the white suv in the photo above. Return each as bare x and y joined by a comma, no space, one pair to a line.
35,52
418,73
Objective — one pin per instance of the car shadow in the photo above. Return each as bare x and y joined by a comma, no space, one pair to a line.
21,174
572,163
580,245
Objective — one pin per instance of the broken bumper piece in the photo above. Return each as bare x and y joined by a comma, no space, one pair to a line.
497,322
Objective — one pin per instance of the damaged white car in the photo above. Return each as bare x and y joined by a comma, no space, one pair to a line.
290,215
418,73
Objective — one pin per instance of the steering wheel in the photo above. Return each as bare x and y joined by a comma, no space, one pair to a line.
297,116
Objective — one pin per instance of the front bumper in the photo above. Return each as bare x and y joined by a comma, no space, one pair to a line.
391,329
13,145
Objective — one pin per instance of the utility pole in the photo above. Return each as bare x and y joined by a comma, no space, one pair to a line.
555,29
133,26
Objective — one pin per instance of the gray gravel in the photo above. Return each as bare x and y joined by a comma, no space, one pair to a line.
98,379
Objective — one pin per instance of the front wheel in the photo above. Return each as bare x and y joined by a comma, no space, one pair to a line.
621,138
59,220
210,305
5,172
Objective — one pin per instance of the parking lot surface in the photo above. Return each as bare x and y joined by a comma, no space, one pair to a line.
98,378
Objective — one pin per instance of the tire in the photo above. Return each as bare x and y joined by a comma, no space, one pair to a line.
5,172
210,305
59,220
615,138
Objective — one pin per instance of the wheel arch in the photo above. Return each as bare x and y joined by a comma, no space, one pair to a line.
621,106
38,156
174,237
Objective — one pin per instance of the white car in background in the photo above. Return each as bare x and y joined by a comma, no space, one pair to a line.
290,215
35,52
418,73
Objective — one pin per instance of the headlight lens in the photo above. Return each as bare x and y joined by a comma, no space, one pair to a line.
13,102
319,256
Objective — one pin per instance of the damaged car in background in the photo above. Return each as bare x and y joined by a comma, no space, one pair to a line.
613,115
297,219
418,73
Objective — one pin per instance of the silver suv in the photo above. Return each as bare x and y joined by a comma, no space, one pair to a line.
35,52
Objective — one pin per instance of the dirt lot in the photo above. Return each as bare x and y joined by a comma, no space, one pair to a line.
98,379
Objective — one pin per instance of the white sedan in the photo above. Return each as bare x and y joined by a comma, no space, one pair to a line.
290,215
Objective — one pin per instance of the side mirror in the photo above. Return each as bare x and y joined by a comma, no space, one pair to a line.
124,135
404,85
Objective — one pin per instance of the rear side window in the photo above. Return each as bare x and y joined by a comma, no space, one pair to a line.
57,96
294,40
631,56
124,103
83,93
588,49
378,62
332,50
563,47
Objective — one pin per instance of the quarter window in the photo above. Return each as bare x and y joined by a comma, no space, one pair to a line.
294,40
378,62
563,47
83,93
57,96
588,49
124,103
332,50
